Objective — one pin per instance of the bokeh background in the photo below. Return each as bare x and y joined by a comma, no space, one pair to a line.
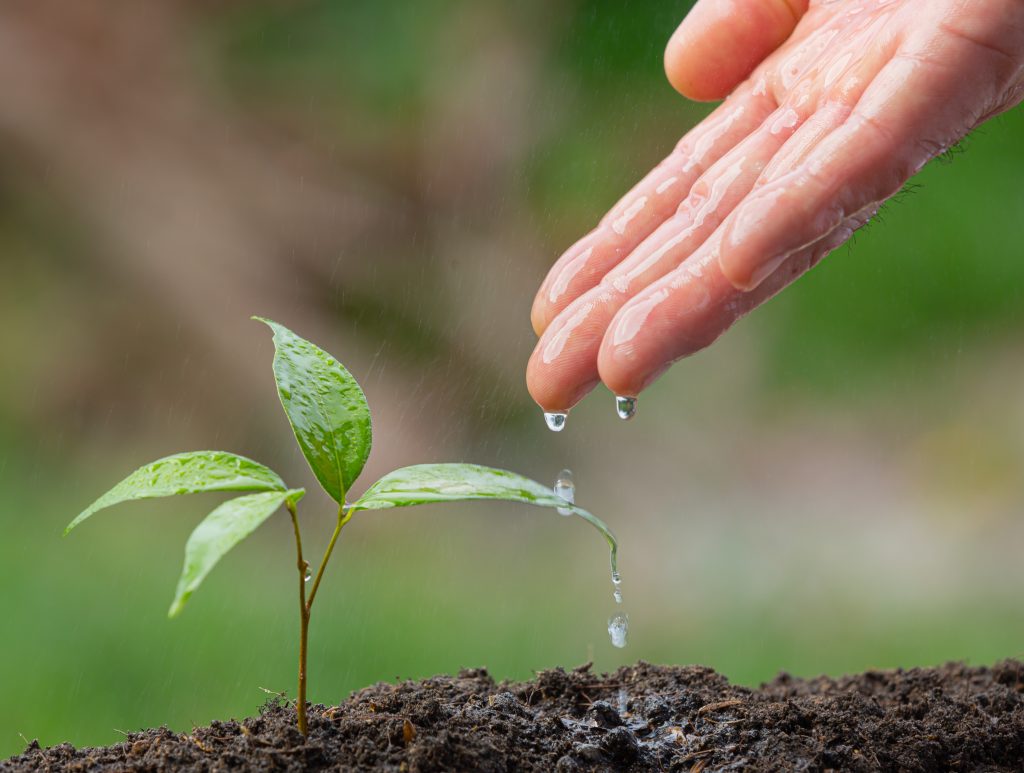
836,485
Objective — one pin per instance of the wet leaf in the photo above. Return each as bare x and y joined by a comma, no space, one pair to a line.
425,483
187,473
220,531
326,408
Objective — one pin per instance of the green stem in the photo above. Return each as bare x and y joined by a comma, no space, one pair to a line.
343,518
306,604
303,565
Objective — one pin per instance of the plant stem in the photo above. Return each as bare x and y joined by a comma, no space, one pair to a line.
306,604
342,520
303,565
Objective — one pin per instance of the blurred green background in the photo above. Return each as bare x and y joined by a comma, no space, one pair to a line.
836,485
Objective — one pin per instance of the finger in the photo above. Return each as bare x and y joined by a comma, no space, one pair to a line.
686,311
564,364
915,107
645,207
838,81
720,43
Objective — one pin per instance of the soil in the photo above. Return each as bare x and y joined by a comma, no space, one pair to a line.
640,718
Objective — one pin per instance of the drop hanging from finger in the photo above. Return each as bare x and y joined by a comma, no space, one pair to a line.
625,407
555,420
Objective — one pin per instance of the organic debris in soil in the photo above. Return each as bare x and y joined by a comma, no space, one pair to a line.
639,718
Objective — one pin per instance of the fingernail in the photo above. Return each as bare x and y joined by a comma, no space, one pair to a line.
766,269
757,276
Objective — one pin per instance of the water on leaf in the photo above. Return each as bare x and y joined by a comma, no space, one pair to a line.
566,489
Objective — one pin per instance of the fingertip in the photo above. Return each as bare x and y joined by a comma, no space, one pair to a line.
720,43
687,75
624,360
551,392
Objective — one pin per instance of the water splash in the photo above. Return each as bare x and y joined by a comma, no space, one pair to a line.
625,407
618,630
566,489
555,420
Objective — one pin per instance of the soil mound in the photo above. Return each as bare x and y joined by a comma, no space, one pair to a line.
639,718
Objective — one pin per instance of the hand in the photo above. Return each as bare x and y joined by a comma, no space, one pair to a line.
851,99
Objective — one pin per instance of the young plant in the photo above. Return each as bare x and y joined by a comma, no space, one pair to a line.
331,421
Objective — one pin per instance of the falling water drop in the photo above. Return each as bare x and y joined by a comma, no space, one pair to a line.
625,407
566,489
617,585
618,630
555,420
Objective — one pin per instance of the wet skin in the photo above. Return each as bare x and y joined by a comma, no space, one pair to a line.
837,105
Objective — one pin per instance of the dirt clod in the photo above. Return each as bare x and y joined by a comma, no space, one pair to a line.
640,718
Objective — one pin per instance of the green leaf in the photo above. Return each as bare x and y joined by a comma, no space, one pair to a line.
326,408
187,473
425,483
220,531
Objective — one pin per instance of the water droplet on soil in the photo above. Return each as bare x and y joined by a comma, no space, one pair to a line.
618,630
625,407
566,489
555,421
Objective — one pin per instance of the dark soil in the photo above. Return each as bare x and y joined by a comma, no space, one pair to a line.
639,718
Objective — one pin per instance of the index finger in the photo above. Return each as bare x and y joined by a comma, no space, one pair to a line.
652,201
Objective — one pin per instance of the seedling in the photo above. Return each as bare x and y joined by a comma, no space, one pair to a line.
328,413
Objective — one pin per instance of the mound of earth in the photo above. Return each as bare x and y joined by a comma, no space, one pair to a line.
639,718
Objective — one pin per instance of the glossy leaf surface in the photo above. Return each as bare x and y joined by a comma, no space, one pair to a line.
220,531
425,483
187,473
326,408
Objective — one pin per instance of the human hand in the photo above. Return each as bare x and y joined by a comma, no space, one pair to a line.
851,99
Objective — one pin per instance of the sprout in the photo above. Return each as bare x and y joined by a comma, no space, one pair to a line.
329,415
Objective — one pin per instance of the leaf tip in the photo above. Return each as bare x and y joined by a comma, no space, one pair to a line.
180,597
78,519
265,320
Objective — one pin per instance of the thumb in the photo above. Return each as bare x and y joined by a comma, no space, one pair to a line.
720,43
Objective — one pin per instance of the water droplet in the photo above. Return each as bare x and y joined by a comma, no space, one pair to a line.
555,421
618,630
309,574
623,697
625,407
617,585
566,489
